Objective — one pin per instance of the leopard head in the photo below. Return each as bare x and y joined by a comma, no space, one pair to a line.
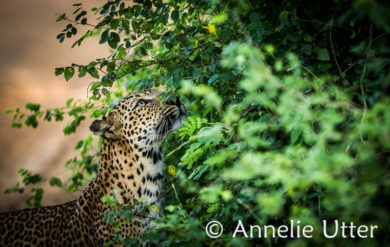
141,119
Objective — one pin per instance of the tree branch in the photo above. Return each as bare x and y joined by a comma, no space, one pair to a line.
333,52
165,60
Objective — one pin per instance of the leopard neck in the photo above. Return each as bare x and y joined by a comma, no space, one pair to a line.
132,169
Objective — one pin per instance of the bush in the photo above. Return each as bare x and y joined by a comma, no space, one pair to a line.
288,111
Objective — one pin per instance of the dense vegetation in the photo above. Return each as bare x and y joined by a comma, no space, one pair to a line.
288,105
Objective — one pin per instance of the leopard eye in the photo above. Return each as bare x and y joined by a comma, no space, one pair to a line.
141,103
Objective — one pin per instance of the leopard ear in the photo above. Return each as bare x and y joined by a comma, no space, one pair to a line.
107,128
154,92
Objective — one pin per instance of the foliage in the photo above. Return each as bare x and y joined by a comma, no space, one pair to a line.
34,200
288,110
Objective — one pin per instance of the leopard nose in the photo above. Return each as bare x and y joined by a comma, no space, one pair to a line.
169,102
181,106
178,103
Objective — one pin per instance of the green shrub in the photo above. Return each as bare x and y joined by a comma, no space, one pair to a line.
288,111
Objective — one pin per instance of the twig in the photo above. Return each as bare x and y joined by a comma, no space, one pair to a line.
356,62
79,23
324,24
350,67
177,197
309,71
333,52
91,25
362,90
249,209
379,36
164,60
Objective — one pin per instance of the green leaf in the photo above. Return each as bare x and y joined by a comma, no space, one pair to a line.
94,73
225,35
126,25
307,49
121,55
95,85
128,44
69,102
59,116
82,71
33,107
175,15
322,54
104,36
68,73
308,38
105,91
220,18
61,17
72,126
61,36
114,23
213,79
74,31
77,10
59,71
194,55
55,182
107,81
283,15
79,145
115,37
78,17
295,134
48,115
165,19
113,44
17,125
135,25
31,121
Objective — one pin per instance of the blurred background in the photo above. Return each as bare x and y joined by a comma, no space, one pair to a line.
29,53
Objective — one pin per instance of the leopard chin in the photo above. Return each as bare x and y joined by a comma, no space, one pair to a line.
178,124
173,121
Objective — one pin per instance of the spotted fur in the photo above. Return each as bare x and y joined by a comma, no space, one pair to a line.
131,164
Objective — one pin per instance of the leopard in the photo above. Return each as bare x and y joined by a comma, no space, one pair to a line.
130,165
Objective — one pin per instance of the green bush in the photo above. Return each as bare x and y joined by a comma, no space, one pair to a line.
288,110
